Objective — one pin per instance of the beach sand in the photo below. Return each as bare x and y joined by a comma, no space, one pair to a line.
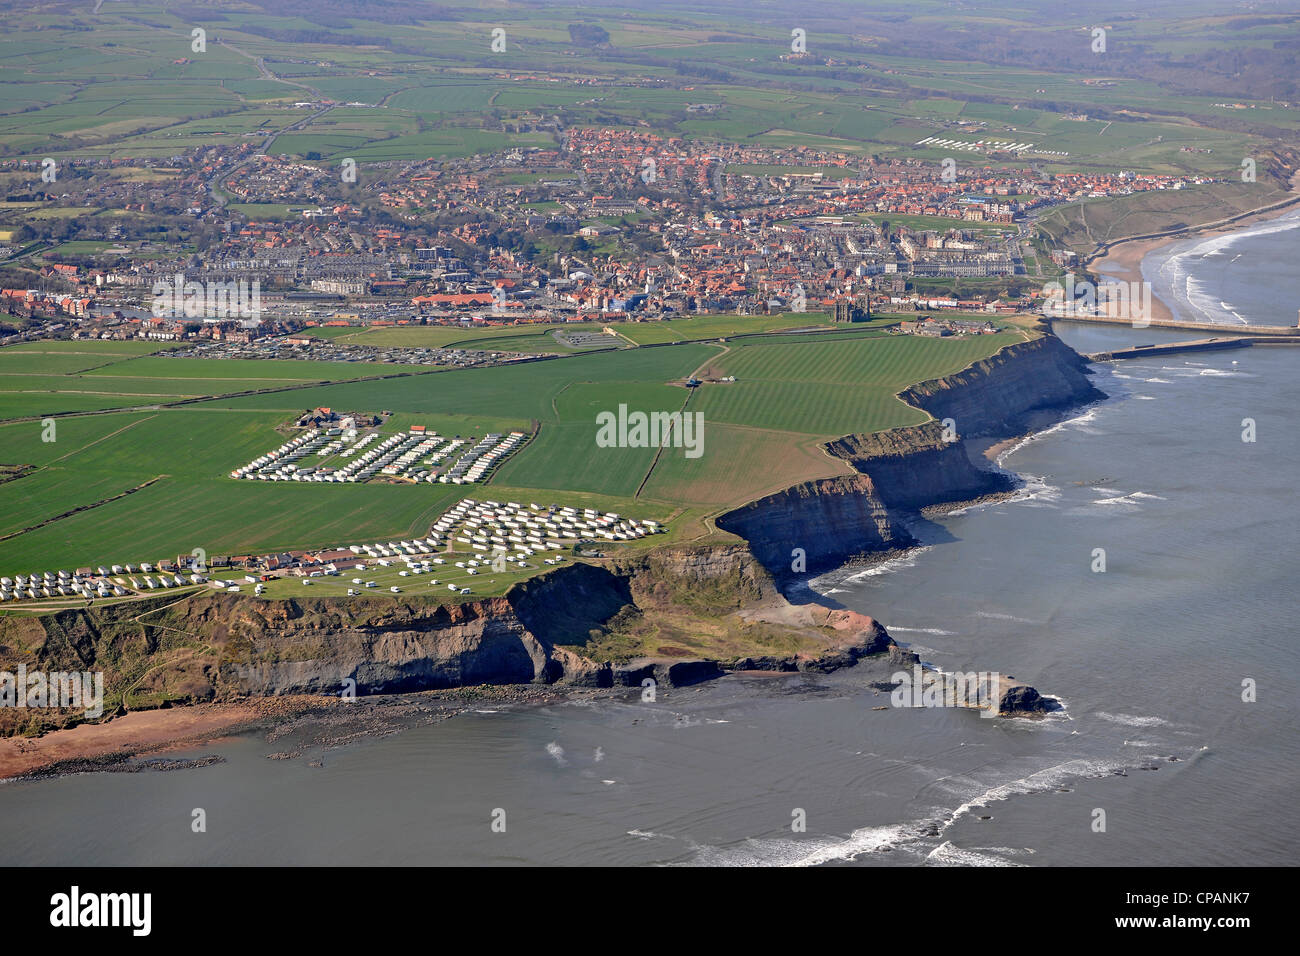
1124,263
1123,260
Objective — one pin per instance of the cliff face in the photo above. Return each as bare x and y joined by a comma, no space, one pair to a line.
994,396
389,647
817,525
419,648
218,646
911,468
902,470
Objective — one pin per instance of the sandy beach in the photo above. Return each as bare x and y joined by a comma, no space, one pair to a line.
1123,260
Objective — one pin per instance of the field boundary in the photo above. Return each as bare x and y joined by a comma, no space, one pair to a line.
81,508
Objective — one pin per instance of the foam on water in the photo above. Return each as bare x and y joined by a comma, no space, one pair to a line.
924,838
947,854
1131,499
647,834
998,616
1131,720
808,851
907,560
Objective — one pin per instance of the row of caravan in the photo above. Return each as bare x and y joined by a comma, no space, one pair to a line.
59,584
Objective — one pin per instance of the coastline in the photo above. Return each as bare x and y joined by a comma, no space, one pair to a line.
1028,387
112,741
119,744
1123,258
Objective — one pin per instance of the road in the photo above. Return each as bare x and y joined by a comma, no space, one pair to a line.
214,184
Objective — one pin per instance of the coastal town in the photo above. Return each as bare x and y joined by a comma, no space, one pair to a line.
231,247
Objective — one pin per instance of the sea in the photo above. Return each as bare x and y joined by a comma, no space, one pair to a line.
1236,278
1145,575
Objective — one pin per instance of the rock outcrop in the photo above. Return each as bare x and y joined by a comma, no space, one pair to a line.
903,470
1021,700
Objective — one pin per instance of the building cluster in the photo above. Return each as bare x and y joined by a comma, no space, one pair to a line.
931,327
512,526
339,454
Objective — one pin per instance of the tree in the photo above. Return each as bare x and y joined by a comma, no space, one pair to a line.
588,34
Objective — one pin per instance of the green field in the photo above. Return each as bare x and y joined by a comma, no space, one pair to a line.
122,81
153,482
50,378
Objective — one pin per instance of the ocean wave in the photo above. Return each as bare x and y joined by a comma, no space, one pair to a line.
923,839
1232,312
648,834
810,852
1131,499
1081,421
1036,493
907,560
1133,720
1012,449
998,616
1040,781
947,854
921,630
1190,295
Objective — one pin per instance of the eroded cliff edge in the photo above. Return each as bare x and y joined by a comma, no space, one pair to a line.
556,628
904,470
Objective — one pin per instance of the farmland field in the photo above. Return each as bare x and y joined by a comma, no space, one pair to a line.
162,472
49,378
117,82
